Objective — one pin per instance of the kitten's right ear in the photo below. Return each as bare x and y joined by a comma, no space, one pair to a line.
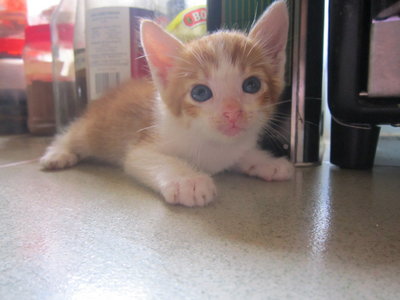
271,31
160,49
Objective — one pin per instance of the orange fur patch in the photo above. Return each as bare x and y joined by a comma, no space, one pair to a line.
124,115
191,109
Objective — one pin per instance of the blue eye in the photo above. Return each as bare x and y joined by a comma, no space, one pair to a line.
201,93
251,85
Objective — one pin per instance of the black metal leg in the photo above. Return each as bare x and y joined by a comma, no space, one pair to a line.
353,147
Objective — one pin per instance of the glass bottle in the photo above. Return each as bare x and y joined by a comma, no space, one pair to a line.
37,65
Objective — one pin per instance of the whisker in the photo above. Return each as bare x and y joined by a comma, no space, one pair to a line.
283,117
197,57
146,128
269,105
282,130
175,57
267,108
180,59
142,56
183,74
276,140
280,102
275,133
255,17
277,124
251,50
272,140
283,113
279,118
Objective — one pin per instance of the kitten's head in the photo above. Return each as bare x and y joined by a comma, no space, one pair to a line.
224,84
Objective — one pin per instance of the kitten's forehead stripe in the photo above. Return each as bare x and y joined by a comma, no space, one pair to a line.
231,47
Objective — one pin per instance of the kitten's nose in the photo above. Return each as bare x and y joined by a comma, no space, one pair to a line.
232,110
233,115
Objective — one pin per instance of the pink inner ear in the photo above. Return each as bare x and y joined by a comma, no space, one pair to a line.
161,68
157,53
160,48
272,28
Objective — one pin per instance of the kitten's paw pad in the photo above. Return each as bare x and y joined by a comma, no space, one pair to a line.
190,191
53,160
278,169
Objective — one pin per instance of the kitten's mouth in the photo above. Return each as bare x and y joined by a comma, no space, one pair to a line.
231,130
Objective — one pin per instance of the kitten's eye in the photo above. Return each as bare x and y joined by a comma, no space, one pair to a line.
251,85
201,93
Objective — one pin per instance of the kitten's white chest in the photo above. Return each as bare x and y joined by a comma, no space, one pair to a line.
210,157
213,158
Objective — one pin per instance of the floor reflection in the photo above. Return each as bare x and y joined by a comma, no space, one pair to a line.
322,213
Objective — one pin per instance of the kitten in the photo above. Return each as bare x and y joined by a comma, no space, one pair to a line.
201,114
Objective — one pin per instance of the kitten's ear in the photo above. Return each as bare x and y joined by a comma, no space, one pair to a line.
160,49
271,31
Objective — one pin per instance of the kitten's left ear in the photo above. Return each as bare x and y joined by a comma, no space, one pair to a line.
160,48
271,31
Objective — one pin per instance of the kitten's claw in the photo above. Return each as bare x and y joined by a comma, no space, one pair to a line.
54,160
190,191
277,169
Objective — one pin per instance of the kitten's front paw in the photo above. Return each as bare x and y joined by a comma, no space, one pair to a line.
54,160
190,191
276,169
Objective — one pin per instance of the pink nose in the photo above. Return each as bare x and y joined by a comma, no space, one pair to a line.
233,115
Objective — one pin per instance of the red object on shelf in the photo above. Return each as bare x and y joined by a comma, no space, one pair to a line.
11,47
12,25
38,35
14,5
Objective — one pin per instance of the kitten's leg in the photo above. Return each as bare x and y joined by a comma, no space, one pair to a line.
262,164
178,182
66,150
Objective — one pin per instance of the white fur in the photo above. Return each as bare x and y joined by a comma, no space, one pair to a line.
263,165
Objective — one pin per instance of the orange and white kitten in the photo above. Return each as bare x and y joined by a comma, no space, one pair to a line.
201,114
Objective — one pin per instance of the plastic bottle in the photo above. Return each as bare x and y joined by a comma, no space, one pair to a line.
68,49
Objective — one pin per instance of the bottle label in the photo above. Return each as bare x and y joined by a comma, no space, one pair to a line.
195,17
114,53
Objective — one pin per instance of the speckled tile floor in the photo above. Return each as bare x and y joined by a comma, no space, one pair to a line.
93,233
